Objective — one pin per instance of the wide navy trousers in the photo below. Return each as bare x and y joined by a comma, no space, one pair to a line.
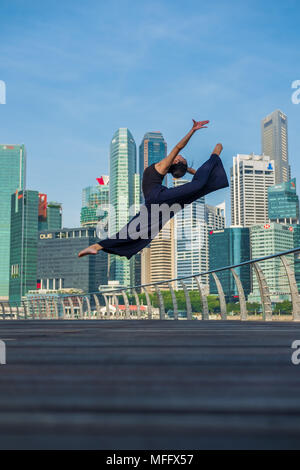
209,177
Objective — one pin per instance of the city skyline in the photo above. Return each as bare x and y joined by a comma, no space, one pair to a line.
67,96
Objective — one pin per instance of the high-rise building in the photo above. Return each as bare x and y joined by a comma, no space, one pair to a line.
153,148
215,216
191,254
283,203
95,203
274,134
158,260
58,265
50,214
12,178
122,197
54,215
268,239
228,247
250,177
23,244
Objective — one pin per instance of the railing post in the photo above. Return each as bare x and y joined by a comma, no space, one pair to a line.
137,302
161,303
126,303
25,309
72,308
116,301
187,301
97,303
3,311
81,316
293,288
221,297
174,300
264,293
242,299
149,306
87,300
203,297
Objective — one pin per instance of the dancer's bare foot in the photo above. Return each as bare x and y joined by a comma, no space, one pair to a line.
218,149
91,250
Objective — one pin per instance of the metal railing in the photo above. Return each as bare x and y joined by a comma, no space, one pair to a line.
106,304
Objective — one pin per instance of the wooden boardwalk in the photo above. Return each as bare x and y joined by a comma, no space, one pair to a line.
149,385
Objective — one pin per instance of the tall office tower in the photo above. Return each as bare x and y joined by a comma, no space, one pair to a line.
158,260
250,177
59,267
284,203
95,203
12,178
269,239
54,215
153,148
50,214
191,254
228,247
274,137
215,216
23,243
122,197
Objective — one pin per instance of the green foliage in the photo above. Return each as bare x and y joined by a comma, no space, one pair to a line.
284,307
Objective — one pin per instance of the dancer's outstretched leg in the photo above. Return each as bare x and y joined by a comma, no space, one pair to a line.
91,250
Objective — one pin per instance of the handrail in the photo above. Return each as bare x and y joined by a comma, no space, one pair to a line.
205,273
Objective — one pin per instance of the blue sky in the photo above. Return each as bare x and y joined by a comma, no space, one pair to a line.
76,71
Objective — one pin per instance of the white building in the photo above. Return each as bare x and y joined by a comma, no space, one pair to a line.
274,137
191,252
250,177
215,216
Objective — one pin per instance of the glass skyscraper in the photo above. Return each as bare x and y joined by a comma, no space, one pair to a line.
23,243
95,203
153,148
12,179
228,247
283,203
122,197
274,135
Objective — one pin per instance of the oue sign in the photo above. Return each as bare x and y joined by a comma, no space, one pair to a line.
45,236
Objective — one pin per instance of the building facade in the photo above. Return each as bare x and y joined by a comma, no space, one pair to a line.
95,203
122,198
12,178
158,260
191,253
250,178
268,239
153,148
23,244
58,265
215,216
228,247
274,134
283,203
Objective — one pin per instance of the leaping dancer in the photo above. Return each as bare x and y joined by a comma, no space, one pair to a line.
209,177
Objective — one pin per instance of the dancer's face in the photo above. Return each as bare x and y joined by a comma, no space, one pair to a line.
179,158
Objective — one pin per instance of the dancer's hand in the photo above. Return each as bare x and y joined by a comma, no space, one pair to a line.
199,125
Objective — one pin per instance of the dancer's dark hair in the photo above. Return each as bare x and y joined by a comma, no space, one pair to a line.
178,170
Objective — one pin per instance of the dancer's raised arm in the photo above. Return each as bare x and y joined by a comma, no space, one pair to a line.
163,166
